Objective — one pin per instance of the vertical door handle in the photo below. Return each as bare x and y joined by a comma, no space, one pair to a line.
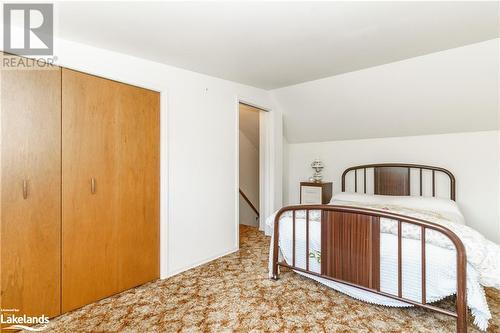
92,185
25,189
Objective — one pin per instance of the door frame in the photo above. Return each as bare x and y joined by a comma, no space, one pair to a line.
265,194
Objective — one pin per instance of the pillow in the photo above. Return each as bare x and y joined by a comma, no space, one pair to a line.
446,207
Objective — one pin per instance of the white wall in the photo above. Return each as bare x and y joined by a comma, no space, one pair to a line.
451,91
407,107
199,165
472,157
249,180
247,215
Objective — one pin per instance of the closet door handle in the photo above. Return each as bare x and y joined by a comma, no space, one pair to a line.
92,185
25,189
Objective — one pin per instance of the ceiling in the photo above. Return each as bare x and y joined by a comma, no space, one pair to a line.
276,44
451,91
249,123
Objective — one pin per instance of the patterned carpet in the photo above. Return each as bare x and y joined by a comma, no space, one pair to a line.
233,293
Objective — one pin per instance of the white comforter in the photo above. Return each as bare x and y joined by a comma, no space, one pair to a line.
483,256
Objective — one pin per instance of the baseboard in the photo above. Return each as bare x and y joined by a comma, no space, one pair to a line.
199,263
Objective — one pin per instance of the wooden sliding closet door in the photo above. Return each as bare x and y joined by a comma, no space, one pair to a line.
30,190
110,176
139,187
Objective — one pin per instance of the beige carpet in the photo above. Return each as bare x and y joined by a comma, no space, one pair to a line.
233,293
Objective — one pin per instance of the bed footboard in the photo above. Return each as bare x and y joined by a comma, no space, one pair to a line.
350,252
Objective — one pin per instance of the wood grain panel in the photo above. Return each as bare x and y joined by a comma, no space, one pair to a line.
90,251
30,227
392,181
111,135
138,186
350,248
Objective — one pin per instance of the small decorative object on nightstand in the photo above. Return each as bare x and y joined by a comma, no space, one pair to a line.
314,193
317,165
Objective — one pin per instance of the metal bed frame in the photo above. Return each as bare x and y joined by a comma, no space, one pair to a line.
350,238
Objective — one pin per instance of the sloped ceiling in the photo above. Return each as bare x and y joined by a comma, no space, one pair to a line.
338,70
276,44
451,91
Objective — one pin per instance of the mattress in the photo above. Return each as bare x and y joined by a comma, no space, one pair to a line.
440,265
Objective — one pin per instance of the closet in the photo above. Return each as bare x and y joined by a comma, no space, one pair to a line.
110,185
79,189
31,190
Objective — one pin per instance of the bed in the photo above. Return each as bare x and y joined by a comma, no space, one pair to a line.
398,239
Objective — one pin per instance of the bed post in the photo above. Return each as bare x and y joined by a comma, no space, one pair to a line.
275,245
461,302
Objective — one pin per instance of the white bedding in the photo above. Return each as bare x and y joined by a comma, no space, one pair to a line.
483,256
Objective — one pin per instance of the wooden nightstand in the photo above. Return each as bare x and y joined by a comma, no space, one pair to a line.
315,193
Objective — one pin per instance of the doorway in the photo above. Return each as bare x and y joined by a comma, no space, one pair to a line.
249,165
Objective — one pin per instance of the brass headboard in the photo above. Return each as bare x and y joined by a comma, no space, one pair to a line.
395,178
